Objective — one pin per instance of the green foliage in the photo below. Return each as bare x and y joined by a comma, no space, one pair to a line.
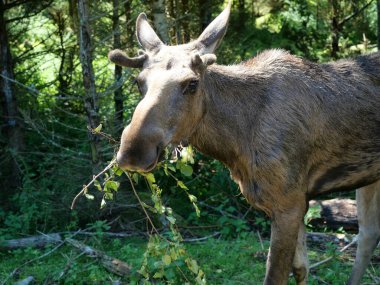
313,213
168,261
241,261
56,161
166,258
49,87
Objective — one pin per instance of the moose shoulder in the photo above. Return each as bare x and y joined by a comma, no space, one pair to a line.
288,130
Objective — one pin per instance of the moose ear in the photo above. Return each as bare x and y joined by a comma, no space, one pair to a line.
146,36
212,36
200,62
120,58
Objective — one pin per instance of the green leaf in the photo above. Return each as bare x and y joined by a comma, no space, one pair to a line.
118,171
169,211
192,198
187,155
313,213
143,271
135,177
166,170
186,170
108,196
197,211
171,219
160,209
172,168
150,177
200,278
103,204
98,186
173,254
170,274
167,259
158,274
192,265
112,185
98,128
182,185
89,196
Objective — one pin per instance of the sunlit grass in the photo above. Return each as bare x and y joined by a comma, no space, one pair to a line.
225,262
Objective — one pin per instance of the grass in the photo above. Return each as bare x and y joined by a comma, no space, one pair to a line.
225,262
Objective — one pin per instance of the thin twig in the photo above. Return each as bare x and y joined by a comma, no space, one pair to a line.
201,238
354,14
261,240
375,279
246,213
107,136
85,187
112,235
331,257
140,202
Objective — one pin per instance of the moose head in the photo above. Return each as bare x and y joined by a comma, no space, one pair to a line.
170,83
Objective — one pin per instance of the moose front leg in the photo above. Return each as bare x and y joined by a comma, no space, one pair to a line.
285,229
300,261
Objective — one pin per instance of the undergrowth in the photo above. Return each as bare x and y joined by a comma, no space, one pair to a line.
225,262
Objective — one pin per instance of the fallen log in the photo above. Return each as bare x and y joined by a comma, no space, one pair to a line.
43,240
324,238
110,263
34,241
336,213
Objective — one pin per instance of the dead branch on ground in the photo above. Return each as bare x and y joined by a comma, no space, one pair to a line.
112,264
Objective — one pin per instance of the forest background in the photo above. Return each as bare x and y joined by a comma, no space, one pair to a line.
57,86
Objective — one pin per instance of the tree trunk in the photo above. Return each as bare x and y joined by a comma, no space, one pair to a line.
63,83
242,15
73,13
10,116
159,19
129,24
185,21
178,21
91,97
118,93
335,28
67,55
378,25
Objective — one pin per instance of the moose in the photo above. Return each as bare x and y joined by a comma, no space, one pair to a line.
288,130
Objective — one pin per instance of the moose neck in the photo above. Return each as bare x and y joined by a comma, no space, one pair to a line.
233,98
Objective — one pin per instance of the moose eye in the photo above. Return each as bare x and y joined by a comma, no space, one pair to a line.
191,88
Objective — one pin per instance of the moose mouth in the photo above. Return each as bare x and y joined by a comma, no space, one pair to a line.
151,166
160,156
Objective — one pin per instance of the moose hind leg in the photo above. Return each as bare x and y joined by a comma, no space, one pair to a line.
300,261
368,204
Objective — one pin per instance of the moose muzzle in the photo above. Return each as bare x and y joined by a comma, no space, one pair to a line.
140,149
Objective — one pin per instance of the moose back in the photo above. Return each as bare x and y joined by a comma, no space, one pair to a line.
288,130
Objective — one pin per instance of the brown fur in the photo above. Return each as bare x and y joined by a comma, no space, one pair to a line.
288,129
289,122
